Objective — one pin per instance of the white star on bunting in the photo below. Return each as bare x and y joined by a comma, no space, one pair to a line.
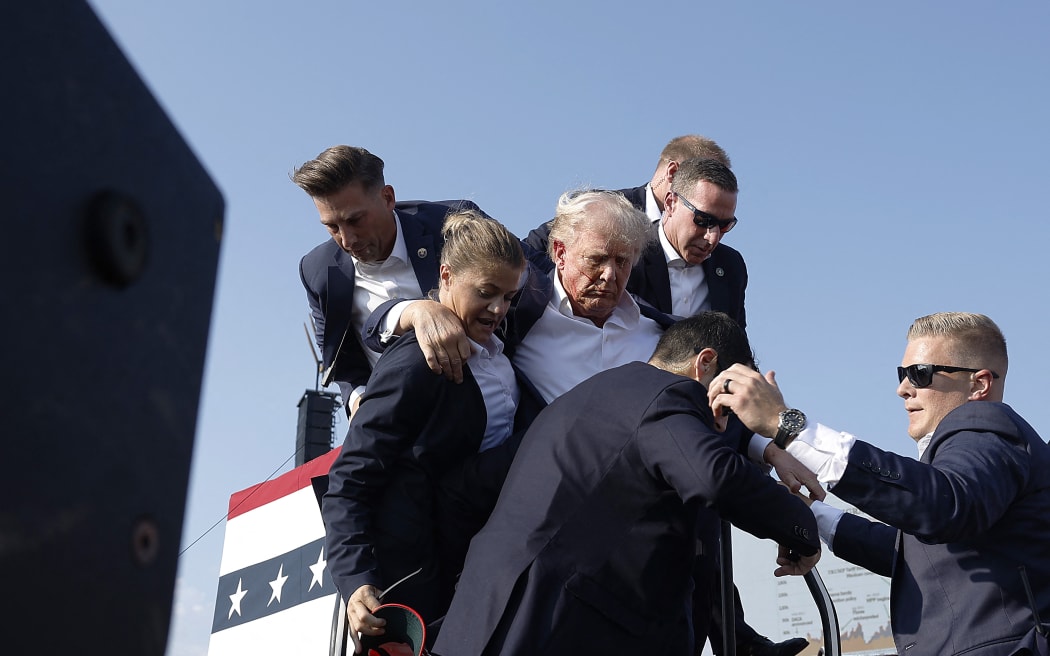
235,599
277,585
318,570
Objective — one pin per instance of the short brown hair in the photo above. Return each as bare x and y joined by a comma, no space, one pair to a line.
692,171
692,146
337,167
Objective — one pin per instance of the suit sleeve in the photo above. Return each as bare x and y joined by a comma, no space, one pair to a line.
539,237
401,393
973,478
861,541
537,257
679,447
371,332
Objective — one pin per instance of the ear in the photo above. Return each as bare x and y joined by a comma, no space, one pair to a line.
558,249
704,369
672,168
445,274
981,385
387,194
670,202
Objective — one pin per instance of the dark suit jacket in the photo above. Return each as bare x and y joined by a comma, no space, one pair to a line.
974,509
725,271
328,275
413,435
590,549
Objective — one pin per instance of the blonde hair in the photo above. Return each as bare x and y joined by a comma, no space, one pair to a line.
973,338
473,240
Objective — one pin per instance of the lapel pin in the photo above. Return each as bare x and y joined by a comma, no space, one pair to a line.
422,252
720,272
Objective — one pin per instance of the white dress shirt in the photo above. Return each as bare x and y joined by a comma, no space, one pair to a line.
688,282
562,350
652,208
376,283
825,452
499,388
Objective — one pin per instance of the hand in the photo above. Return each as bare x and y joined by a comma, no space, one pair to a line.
793,564
359,615
721,421
805,499
441,337
793,474
754,398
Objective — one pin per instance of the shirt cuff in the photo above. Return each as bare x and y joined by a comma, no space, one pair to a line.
389,323
824,451
827,521
756,449
356,394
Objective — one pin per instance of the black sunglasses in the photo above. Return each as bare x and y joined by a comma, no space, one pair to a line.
704,220
921,375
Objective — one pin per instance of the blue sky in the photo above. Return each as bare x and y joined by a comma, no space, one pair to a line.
892,159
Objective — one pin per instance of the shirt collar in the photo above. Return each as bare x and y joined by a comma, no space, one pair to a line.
924,442
670,254
626,312
489,350
652,208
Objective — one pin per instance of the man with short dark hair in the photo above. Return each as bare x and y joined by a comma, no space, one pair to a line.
685,268
716,280
967,525
590,549
650,197
380,249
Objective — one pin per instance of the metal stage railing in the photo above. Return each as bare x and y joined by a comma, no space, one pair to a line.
829,621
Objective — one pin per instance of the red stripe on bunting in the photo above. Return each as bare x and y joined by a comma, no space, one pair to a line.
285,484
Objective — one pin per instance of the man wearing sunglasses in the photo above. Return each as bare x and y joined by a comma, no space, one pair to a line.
687,269
966,537
693,270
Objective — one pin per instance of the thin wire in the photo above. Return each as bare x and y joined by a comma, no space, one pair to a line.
227,515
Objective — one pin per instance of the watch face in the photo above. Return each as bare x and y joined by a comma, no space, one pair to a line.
792,421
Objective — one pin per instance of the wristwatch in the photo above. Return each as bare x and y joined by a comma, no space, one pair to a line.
792,422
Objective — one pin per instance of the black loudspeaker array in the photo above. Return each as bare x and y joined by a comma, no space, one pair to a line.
313,436
110,240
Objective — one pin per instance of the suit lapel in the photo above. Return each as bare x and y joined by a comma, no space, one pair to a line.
338,315
656,284
717,289
421,252
526,308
